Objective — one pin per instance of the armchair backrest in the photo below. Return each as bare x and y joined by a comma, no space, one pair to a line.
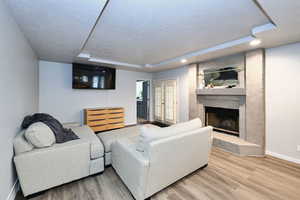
175,157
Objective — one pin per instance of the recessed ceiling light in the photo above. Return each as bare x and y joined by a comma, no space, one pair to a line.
255,42
183,60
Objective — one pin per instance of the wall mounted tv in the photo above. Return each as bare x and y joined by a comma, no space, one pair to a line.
93,77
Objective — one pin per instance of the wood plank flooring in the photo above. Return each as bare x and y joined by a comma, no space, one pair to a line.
227,177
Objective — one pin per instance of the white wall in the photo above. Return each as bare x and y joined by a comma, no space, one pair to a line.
19,92
181,75
283,101
66,104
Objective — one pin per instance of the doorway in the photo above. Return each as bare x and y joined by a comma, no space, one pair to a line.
143,101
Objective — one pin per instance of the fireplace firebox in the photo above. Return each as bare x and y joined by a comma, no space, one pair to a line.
223,120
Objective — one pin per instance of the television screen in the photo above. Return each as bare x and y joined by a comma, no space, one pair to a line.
93,77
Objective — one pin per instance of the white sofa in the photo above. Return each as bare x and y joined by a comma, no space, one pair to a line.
39,169
163,162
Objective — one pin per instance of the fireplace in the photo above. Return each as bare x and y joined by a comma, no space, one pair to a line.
223,120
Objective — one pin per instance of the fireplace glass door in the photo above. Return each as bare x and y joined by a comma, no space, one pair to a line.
223,120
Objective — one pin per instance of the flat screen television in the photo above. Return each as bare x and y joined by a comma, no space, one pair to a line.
93,77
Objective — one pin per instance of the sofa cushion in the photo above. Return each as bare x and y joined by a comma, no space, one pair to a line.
147,133
96,147
70,125
152,133
21,145
40,135
109,137
188,125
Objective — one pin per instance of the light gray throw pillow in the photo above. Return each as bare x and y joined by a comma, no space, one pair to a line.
40,135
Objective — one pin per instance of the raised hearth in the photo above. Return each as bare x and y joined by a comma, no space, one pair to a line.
235,145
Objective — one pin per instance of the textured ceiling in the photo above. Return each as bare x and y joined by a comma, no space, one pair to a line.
132,33
56,29
151,31
286,15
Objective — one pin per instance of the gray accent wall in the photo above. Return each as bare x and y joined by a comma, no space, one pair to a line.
193,105
19,92
255,97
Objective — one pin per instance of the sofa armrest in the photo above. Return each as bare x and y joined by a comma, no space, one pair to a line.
85,132
131,166
44,168
71,124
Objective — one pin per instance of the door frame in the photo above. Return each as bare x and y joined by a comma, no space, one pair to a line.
149,100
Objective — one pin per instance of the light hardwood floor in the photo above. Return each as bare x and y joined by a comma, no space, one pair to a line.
227,177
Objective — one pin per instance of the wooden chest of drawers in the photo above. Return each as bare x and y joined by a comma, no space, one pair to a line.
102,119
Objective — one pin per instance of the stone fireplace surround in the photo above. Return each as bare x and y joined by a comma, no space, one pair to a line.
248,98
230,102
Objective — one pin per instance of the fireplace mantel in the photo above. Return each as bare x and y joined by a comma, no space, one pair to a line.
223,92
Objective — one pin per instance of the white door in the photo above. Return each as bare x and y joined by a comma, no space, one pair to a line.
170,102
165,101
159,101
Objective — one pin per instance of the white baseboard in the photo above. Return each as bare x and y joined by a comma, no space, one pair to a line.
14,190
283,157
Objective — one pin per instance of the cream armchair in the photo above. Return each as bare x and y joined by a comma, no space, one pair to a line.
163,162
